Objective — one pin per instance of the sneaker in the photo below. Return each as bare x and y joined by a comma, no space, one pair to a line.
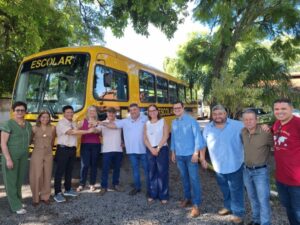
59,198
70,193
102,191
118,188
224,212
21,211
195,212
80,188
134,191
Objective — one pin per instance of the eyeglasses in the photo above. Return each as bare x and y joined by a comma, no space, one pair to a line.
177,108
154,110
20,110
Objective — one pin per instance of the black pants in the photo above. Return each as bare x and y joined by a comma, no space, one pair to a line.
64,158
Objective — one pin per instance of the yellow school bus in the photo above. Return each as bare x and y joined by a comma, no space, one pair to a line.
95,75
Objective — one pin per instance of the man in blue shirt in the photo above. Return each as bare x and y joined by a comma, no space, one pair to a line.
186,143
133,129
224,143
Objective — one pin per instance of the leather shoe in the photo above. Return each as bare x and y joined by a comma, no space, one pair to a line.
195,212
236,220
134,191
185,203
253,223
224,212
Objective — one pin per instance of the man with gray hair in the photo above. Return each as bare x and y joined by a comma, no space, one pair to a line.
257,146
223,140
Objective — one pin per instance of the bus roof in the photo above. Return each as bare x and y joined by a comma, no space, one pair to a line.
100,49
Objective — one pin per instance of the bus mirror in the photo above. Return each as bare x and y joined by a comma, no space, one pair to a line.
107,79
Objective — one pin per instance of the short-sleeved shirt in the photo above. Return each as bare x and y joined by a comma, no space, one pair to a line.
186,137
62,138
225,146
287,151
133,131
19,137
112,139
257,146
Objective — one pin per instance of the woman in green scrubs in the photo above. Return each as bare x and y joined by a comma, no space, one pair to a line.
15,139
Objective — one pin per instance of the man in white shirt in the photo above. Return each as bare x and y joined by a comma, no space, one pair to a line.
133,129
66,153
111,151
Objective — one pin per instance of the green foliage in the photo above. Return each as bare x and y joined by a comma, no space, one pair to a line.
164,14
30,26
230,64
231,92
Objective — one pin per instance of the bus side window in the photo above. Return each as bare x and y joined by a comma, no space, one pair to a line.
110,84
162,90
181,92
147,87
172,92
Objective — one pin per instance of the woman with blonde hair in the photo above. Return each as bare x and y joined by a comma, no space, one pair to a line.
41,161
89,150
156,134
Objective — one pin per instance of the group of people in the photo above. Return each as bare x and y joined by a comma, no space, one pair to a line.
239,153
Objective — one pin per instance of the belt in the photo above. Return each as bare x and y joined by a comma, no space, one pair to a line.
65,146
255,167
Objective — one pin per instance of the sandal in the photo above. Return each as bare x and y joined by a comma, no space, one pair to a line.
92,188
80,188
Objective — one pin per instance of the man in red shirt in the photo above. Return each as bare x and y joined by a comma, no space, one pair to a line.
286,131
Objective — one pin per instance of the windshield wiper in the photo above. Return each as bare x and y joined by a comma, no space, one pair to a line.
49,107
51,111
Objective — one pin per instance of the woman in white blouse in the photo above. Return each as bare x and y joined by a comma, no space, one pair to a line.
156,134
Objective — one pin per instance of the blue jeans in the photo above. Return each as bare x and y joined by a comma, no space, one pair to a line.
109,159
135,160
159,174
89,154
257,183
232,188
290,198
190,178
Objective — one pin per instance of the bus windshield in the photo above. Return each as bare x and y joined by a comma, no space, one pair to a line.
53,81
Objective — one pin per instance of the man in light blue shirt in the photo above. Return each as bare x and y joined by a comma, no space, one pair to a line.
224,143
133,130
186,143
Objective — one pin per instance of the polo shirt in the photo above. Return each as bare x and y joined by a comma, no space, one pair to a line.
133,131
112,139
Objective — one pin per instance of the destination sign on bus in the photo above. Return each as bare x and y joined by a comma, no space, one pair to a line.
53,61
